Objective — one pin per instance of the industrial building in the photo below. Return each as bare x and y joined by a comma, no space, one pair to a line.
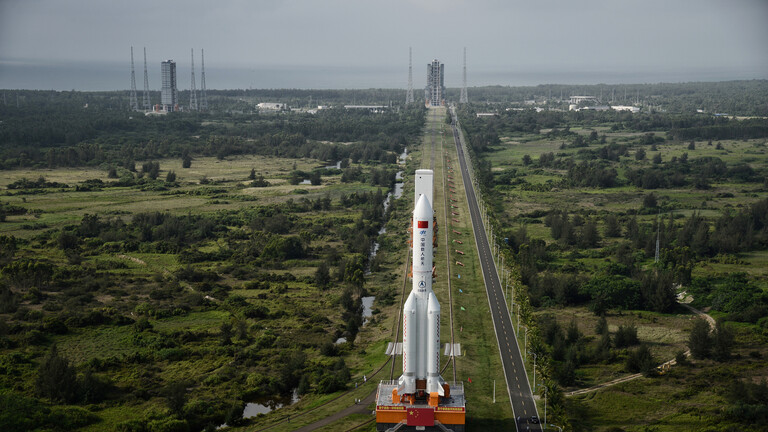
169,95
434,93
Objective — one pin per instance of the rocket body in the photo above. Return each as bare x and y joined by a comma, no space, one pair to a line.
421,311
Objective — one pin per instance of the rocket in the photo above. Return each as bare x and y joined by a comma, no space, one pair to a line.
421,311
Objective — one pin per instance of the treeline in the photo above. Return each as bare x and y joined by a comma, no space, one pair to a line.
53,136
732,97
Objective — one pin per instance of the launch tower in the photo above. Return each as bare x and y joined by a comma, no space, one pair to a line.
421,399
435,91
169,96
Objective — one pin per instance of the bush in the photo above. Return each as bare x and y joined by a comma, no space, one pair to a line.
641,360
626,336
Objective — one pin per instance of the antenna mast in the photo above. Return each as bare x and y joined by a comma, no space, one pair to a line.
203,97
146,82
409,94
134,102
193,90
463,98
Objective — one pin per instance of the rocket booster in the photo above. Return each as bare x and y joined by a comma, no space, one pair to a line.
421,311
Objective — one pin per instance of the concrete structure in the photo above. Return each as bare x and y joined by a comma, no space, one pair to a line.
271,106
579,99
420,399
169,95
434,93
371,108
632,109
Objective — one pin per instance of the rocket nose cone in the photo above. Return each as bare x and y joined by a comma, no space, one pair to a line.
423,209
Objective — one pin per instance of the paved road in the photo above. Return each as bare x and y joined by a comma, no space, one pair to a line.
518,387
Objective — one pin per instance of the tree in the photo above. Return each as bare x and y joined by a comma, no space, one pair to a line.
692,145
649,201
722,341
699,341
641,360
252,175
657,158
612,227
589,237
186,161
527,160
626,336
322,276
602,325
225,333
640,154
112,172
315,178
56,379
170,177
175,396
572,333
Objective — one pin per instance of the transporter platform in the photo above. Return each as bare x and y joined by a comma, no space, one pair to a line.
401,414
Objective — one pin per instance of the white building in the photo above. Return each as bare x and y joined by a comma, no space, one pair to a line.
632,109
271,106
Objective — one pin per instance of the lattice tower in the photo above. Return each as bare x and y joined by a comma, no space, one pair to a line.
409,93
203,97
147,105
463,98
193,90
134,102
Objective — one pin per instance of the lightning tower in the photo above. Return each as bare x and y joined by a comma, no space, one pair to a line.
203,97
193,90
463,99
409,94
134,102
147,105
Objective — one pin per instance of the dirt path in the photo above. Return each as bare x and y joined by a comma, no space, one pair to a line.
664,366
359,408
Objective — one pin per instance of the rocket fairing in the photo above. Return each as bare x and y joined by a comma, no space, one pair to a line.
421,311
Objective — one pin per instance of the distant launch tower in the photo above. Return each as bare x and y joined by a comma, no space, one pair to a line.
464,99
147,105
169,96
203,97
420,399
193,90
134,102
435,90
409,94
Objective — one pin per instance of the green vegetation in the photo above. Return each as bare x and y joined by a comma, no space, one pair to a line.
579,202
163,286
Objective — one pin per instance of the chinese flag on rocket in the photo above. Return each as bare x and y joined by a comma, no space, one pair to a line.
423,224
421,417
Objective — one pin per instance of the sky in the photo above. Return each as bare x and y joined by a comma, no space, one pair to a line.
680,39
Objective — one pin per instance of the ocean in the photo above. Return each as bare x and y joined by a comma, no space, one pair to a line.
117,76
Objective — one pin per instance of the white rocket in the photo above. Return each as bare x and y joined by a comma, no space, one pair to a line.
421,311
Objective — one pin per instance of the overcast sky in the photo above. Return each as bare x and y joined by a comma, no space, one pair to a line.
500,35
